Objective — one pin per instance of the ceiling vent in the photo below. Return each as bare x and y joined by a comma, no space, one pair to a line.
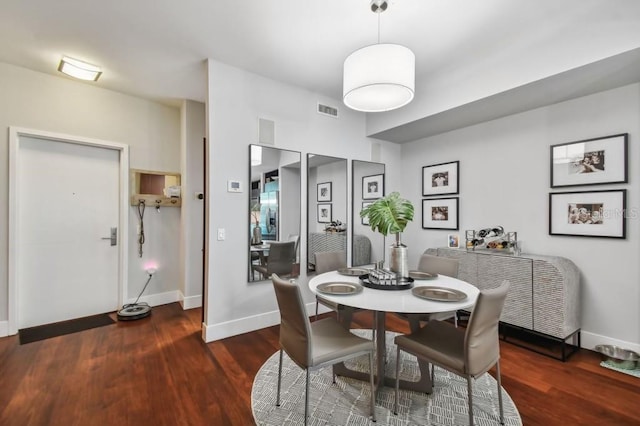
327,110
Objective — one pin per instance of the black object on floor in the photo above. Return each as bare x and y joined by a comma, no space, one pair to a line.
41,332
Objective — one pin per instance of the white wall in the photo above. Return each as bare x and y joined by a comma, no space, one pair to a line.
42,102
236,100
504,180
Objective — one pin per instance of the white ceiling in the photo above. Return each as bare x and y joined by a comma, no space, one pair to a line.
157,48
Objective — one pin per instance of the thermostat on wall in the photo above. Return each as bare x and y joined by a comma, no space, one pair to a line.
234,186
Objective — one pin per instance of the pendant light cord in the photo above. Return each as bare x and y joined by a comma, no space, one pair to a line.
141,207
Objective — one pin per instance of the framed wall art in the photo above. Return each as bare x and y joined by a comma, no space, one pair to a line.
440,179
440,213
324,213
324,192
372,187
590,162
365,220
588,213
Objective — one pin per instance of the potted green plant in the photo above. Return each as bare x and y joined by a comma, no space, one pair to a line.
390,215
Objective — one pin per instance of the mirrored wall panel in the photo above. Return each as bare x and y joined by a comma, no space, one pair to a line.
326,208
274,212
368,186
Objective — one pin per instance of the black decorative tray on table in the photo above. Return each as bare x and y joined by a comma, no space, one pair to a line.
385,280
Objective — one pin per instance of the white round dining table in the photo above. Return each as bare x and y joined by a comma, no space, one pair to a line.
399,301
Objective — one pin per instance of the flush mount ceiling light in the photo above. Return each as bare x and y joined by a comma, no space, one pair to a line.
380,77
79,69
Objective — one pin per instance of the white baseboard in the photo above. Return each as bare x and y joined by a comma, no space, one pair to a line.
159,298
240,326
590,340
223,330
4,328
190,302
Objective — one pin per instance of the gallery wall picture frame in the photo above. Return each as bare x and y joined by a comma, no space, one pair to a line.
372,187
441,179
440,213
324,192
596,161
365,220
324,213
588,213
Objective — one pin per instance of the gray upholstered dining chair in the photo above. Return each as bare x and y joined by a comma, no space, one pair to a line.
282,256
329,261
315,345
441,266
434,265
468,353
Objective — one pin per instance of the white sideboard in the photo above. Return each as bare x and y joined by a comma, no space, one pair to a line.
545,290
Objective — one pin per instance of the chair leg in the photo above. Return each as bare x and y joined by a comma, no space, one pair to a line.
279,379
395,404
373,389
317,308
499,392
470,392
306,399
433,374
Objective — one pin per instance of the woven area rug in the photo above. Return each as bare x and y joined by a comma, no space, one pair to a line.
347,401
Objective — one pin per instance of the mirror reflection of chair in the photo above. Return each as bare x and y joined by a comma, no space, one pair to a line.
329,261
434,265
296,238
441,266
256,259
468,353
314,345
281,258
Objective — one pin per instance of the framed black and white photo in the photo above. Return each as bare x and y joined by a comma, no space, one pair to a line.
324,192
440,213
324,213
440,179
590,162
372,187
365,220
588,213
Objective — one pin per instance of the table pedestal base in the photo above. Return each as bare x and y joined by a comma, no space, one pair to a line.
423,385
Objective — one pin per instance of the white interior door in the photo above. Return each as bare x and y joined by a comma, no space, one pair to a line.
67,204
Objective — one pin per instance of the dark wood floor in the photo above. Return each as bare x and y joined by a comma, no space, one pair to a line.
157,371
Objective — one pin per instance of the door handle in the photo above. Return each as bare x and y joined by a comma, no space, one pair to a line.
114,236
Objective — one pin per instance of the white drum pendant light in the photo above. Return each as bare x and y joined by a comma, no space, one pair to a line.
380,77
